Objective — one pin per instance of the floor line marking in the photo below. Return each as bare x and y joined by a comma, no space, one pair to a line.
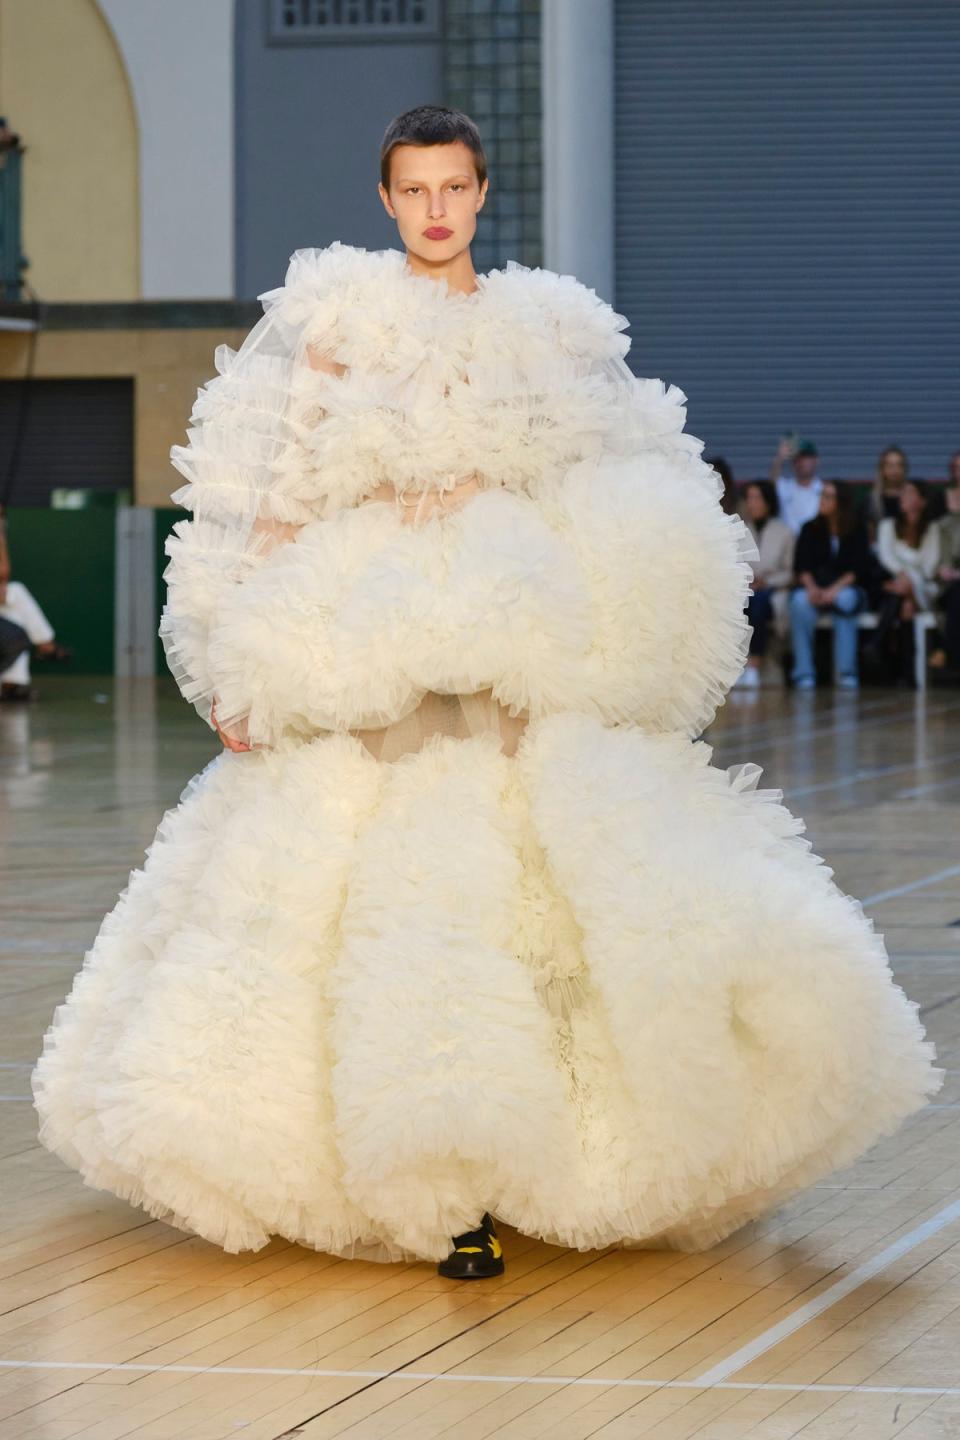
934,786
456,1377
938,1004
829,1297
875,772
763,739
913,885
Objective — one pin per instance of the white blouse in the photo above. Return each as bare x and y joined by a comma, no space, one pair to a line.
919,564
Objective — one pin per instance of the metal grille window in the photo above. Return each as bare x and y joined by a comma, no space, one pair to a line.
492,68
306,22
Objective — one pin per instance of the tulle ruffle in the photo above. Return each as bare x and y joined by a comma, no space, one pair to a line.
354,1003
616,590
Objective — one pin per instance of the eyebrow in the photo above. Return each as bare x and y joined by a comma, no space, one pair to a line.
413,180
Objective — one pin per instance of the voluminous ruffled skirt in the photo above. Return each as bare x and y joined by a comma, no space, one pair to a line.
600,988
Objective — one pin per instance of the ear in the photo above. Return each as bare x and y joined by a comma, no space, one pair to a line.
384,196
483,193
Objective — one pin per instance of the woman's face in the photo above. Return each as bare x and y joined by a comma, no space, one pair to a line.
911,502
893,472
828,500
756,503
435,198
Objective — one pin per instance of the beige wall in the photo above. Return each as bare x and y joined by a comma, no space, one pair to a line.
168,367
63,88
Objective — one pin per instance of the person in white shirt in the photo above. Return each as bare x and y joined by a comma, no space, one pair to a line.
799,494
909,549
23,625
18,606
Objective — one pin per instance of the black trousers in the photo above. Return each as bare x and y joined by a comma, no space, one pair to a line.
951,624
13,641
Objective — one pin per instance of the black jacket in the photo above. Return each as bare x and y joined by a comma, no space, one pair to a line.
813,553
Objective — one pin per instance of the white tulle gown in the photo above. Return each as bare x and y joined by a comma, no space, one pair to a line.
475,924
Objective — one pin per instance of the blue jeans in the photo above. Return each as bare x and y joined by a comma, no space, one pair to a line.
803,619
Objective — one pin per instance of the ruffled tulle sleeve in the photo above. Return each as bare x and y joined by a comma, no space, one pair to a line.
550,387
618,590
251,476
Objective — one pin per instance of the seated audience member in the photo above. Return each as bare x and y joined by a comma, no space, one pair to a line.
892,473
772,572
799,493
831,562
948,571
729,500
908,547
23,626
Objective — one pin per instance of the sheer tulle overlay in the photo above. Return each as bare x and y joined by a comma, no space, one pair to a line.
474,924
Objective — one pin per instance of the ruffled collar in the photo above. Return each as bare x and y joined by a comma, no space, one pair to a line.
440,286
374,314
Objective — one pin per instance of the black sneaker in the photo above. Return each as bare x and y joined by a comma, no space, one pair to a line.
476,1254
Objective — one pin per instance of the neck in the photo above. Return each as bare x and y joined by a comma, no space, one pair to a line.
458,272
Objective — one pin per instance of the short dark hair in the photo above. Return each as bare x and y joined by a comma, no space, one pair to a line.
431,125
769,492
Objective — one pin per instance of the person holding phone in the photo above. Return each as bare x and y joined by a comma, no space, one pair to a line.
798,494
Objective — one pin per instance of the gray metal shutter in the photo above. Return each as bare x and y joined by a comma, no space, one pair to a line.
788,221
76,434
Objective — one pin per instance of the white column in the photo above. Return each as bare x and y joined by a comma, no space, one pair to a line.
134,592
578,188
179,57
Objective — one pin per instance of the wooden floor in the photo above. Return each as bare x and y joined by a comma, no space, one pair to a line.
839,1316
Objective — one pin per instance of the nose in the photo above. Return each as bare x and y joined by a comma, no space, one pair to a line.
436,206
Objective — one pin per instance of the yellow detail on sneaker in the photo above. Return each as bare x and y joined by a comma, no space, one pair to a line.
496,1247
469,1249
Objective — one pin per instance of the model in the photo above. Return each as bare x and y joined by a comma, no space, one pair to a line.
463,925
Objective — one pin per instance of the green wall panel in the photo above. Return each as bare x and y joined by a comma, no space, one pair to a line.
66,558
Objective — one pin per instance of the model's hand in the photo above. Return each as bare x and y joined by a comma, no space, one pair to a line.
231,741
420,505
